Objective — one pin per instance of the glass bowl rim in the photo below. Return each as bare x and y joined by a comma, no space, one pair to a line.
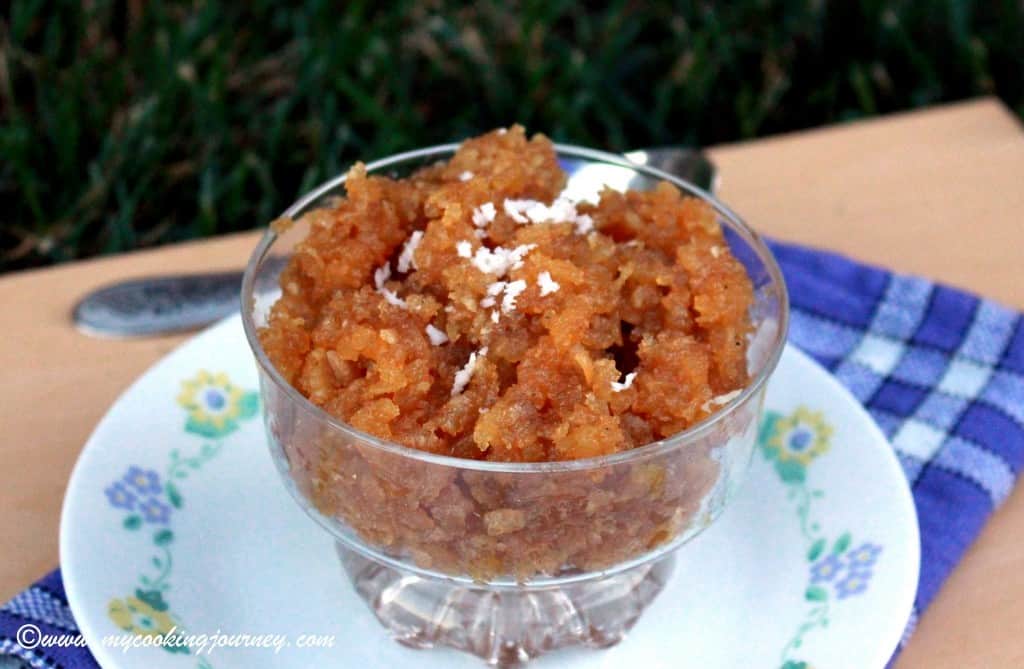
653,449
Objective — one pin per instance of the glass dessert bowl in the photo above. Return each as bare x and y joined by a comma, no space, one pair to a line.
508,560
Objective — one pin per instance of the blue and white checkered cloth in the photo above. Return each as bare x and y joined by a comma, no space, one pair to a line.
44,605
940,370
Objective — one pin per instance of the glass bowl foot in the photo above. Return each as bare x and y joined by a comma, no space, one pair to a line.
504,627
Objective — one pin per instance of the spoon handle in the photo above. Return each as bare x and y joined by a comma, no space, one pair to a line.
158,305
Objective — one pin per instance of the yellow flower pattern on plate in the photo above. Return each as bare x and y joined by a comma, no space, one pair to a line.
136,616
214,404
798,438
214,408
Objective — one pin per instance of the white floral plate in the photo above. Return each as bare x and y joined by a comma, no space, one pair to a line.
175,518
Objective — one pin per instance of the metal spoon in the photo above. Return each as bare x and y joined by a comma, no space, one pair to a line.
162,305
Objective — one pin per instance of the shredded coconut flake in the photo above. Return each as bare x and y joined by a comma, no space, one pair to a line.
512,291
436,336
720,400
394,299
562,210
502,131
493,290
715,251
519,252
509,292
466,176
547,284
380,277
584,224
406,259
515,209
497,261
619,387
484,214
463,376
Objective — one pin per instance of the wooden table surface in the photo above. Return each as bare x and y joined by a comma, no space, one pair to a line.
938,193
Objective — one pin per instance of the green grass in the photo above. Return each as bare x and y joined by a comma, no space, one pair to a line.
128,124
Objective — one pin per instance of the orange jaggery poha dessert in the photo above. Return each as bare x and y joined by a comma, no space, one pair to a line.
473,310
